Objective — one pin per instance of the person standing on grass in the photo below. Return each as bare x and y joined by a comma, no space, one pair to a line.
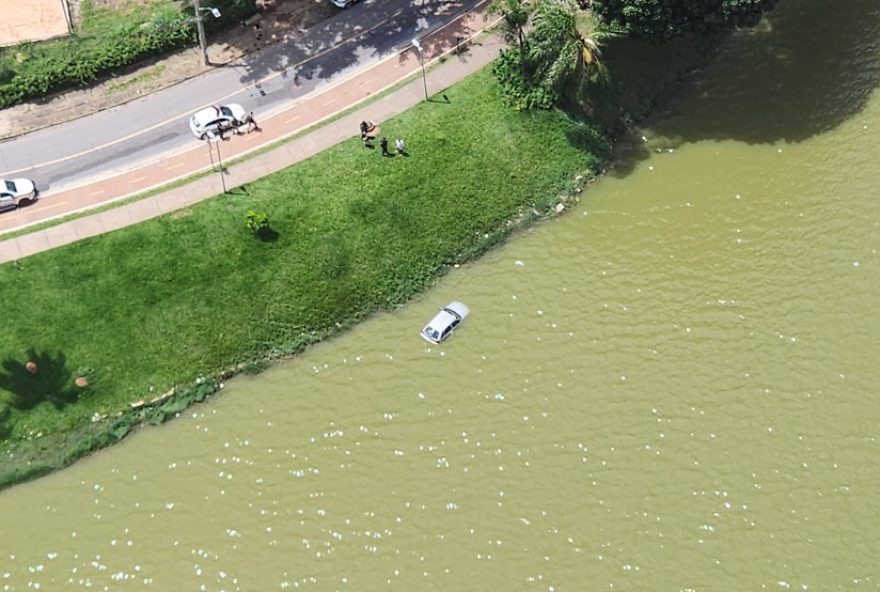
383,144
400,145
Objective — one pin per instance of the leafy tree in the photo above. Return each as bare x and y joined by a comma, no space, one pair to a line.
665,19
514,18
557,58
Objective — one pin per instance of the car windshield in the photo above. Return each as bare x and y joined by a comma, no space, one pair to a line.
432,332
226,111
10,185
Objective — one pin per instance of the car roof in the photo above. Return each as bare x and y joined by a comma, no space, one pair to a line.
207,115
442,320
17,182
459,308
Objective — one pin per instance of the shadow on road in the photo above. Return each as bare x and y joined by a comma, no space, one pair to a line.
363,31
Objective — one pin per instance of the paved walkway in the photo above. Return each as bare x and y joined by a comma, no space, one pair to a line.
311,110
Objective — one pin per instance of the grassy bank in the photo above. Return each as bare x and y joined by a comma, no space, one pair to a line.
143,309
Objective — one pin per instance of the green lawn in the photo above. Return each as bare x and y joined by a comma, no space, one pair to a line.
189,294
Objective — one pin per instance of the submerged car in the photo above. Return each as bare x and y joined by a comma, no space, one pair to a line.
445,322
16,192
211,122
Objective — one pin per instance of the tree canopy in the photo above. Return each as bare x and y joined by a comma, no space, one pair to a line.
556,60
555,45
670,18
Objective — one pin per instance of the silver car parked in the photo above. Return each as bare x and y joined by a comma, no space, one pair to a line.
16,192
211,122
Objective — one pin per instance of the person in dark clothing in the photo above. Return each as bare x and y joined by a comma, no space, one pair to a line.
383,143
252,124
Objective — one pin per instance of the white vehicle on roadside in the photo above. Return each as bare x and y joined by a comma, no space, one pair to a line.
445,322
16,192
211,122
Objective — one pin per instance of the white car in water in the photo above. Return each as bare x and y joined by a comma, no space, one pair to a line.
16,192
445,322
211,122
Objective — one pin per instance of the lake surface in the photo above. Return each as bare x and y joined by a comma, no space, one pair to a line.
672,387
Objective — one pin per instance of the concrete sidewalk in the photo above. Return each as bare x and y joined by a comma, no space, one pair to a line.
446,68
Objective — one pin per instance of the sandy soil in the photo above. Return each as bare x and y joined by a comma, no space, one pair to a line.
31,20
282,20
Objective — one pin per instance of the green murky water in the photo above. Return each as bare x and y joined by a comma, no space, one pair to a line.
671,388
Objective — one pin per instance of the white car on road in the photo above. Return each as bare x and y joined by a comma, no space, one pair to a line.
16,192
211,122
445,322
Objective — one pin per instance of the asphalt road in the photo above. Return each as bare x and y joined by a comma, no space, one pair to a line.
142,131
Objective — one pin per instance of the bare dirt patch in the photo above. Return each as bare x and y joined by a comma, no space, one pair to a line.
285,20
32,20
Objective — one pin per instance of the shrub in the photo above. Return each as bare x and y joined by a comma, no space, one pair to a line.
519,92
80,60
257,222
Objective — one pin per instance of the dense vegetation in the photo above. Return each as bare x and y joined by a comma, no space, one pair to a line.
555,57
664,19
265,271
106,41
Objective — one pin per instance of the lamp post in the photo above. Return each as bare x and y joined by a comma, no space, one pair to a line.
200,26
210,142
419,50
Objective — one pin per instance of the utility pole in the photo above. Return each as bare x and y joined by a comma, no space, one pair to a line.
200,26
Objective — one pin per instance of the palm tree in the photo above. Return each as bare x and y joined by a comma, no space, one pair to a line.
514,18
564,48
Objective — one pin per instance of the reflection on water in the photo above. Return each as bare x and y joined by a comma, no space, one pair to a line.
670,388
806,77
